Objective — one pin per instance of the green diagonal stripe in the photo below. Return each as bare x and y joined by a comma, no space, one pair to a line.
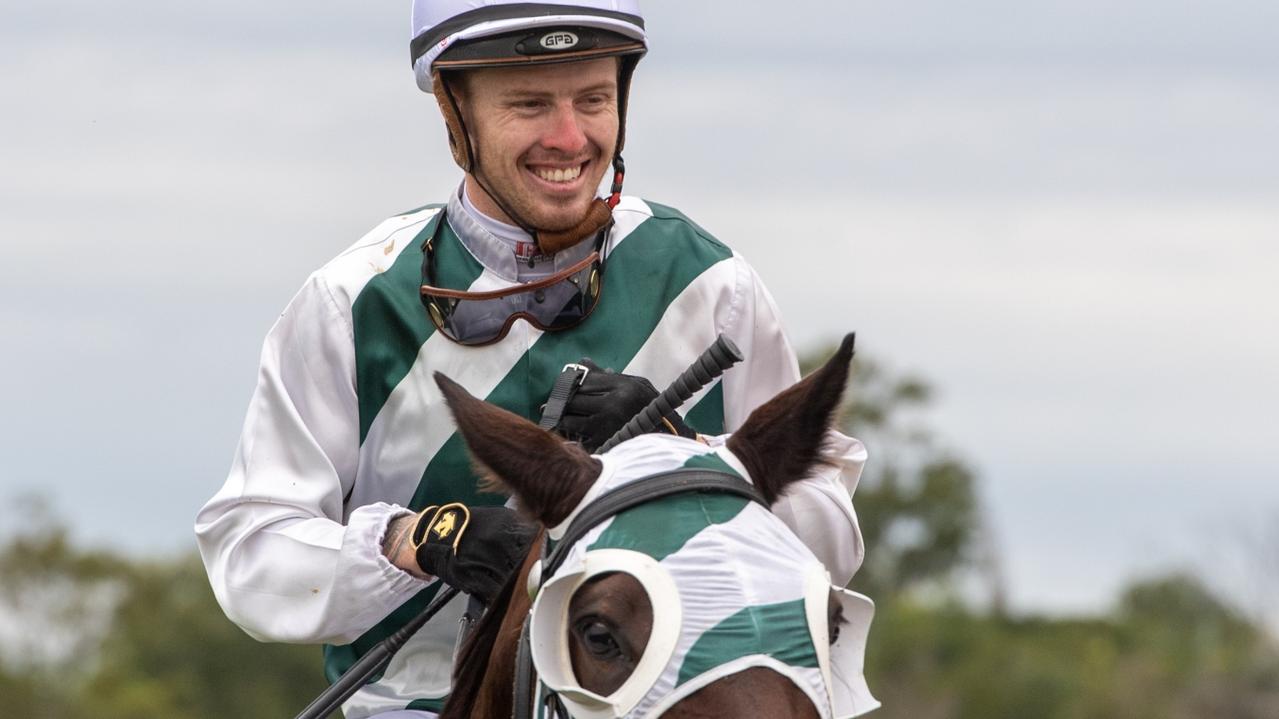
660,528
776,630
430,705
707,416
712,461
390,324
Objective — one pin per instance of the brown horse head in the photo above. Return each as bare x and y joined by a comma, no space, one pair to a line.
613,626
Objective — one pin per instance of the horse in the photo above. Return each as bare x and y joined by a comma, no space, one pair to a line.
688,606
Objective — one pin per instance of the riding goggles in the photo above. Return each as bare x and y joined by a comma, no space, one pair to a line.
558,302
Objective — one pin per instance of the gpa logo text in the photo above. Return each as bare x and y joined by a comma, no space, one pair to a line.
561,40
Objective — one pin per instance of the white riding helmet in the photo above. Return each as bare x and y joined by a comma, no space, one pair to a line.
443,27
455,35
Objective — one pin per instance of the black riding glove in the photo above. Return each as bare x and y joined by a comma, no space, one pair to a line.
605,402
472,548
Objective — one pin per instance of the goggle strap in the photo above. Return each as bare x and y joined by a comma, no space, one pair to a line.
561,394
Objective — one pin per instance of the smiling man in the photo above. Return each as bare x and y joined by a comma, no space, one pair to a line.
351,499
544,135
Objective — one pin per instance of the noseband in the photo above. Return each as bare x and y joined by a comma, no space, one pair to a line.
641,491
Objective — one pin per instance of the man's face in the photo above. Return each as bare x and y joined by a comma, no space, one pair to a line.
544,136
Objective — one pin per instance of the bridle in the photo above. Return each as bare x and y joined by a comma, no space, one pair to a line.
609,504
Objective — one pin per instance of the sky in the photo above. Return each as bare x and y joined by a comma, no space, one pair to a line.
1063,214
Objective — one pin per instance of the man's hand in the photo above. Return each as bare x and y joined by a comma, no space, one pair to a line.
605,402
472,548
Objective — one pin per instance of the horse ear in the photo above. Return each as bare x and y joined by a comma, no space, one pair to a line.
547,474
782,439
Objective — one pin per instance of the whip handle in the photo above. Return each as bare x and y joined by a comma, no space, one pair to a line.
718,357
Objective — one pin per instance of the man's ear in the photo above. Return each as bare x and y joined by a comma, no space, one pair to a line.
782,439
547,474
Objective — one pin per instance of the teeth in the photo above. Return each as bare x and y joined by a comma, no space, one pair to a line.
560,175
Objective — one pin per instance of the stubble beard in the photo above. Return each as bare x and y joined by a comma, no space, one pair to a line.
550,215
542,213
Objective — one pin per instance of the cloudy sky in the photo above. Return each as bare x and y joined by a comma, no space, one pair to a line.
1065,214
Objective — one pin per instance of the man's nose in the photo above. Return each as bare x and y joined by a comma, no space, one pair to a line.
564,132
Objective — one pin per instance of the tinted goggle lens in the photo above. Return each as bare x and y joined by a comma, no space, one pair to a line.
558,302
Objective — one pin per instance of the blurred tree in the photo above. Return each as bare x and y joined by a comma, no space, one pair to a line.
100,636
1172,650
172,653
1200,642
57,598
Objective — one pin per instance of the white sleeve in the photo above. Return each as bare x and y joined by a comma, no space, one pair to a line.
819,508
283,563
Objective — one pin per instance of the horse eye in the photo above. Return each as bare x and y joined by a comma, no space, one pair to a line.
598,640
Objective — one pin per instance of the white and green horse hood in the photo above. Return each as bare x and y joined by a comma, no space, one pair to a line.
730,585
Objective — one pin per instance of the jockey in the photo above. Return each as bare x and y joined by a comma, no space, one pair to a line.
351,499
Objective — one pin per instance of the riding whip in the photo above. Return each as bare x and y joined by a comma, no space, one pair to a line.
718,357
373,661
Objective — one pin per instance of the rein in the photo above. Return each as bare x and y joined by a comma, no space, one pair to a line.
612,503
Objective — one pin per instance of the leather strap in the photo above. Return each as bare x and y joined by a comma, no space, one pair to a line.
554,707
561,394
665,484
525,679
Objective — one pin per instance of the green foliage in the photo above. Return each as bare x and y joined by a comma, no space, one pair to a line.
917,504
33,695
1193,631
161,647
199,665
952,663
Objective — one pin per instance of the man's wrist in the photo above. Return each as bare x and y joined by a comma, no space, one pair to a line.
397,548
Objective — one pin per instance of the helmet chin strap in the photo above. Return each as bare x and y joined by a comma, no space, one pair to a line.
598,215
